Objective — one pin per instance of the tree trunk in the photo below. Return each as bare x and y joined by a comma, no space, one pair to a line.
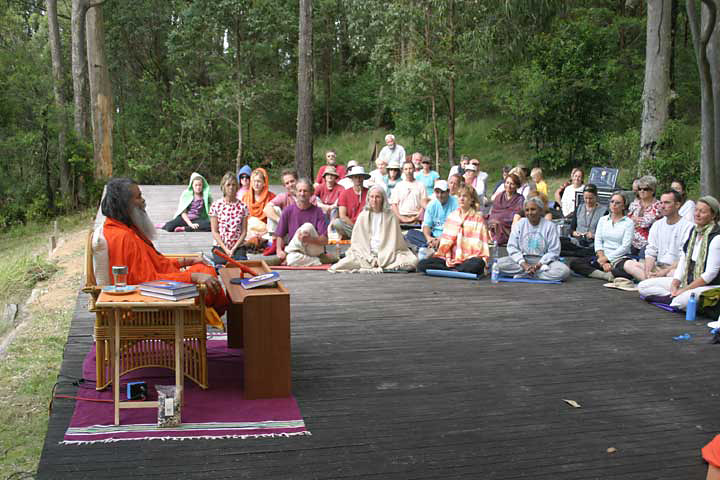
238,71
675,10
79,68
57,72
713,54
238,158
304,137
101,101
707,123
327,71
451,93
656,92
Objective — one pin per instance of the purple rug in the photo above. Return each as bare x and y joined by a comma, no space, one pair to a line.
218,412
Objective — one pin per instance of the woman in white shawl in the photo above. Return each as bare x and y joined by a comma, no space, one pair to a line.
377,242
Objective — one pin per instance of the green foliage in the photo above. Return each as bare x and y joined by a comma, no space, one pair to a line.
677,155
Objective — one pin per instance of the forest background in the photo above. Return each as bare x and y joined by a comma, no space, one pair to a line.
208,86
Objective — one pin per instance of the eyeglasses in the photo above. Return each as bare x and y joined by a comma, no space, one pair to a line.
644,189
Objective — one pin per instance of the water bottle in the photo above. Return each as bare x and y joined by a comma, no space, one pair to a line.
691,308
495,272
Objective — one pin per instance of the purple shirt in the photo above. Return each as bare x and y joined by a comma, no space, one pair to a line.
293,218
195,208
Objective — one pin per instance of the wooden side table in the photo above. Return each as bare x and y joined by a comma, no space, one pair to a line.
259,322
119,307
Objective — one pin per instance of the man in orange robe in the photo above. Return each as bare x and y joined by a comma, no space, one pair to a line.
129,233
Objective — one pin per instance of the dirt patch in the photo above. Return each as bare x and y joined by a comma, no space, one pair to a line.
60,291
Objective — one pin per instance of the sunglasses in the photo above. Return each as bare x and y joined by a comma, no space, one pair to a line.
244,177
644,189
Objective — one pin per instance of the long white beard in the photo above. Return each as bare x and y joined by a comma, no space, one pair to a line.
142,221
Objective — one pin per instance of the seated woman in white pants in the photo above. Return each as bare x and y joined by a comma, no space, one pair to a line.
534,246
699,262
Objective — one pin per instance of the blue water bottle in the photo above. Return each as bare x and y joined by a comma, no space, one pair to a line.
691,308
495,272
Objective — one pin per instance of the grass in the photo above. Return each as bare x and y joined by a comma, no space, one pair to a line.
29,366
23,257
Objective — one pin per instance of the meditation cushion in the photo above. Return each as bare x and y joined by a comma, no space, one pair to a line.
101,258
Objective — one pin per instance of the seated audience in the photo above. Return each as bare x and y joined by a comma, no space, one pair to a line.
521,213
524,188
328,193
434,219
454,183
304,224
409,197
192,209
699,263
581,241
565,195
479,181
392,151
459,169
377,242
534,246
537,176
643,211
464,241
426,176
613,237
504,208
377,176
346,182
500,185
256,199
129,233
330,161
393,177
416,159
243,178
229,220
665,241
351,202
687,208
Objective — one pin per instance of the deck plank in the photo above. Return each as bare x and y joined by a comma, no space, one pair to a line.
415,377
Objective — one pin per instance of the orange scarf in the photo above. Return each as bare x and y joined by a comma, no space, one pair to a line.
257,206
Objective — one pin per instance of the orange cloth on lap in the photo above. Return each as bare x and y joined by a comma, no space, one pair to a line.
127,246
711,452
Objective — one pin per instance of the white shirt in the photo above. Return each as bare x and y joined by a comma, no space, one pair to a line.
479,183
408,196
568,199
687,211
665,241
397,154
712,265
375,233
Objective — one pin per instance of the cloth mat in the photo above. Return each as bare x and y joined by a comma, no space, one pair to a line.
218,412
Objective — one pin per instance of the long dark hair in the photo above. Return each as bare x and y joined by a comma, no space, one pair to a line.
116,200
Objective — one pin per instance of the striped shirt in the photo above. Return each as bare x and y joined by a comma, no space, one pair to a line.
464,237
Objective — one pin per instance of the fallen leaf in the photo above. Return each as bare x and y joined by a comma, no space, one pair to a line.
572,403
611,450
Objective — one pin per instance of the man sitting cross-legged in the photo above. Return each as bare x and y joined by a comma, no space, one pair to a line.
129,232
409,197
435,215
304,224
534,246
665,241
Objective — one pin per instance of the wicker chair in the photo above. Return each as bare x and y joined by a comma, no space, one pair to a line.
148,334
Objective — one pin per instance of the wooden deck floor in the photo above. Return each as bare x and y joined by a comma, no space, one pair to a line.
415,377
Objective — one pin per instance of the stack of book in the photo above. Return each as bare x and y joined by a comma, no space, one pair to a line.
168,290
